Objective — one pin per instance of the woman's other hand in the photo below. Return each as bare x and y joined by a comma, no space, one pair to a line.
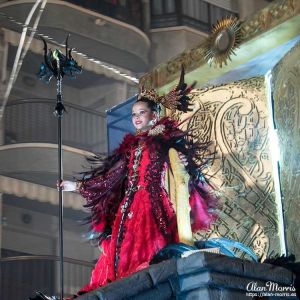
67,186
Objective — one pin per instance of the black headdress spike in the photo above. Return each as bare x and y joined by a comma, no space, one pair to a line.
181,84
182,90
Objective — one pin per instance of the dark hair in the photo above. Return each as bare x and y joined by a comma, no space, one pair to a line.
151,104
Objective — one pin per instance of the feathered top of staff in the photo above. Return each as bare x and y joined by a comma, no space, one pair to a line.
57,64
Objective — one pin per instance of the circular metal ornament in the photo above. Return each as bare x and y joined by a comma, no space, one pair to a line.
223,40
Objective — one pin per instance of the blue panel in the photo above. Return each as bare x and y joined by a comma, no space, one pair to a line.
119,123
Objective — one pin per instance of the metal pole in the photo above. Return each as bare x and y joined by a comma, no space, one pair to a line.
58,65
59,110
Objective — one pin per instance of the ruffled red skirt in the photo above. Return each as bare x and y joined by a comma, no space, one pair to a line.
141,241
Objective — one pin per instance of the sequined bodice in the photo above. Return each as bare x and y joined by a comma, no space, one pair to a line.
139,168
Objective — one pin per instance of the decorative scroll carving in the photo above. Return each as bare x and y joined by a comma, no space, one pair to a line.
286,82
269,17
236,117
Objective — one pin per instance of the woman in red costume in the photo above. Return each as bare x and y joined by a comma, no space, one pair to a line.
130,208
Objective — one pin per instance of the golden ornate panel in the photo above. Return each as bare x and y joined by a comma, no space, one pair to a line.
286,94
235,116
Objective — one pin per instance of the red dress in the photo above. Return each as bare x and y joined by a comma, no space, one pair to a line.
143,220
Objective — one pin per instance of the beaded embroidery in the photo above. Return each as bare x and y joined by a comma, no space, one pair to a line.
131,189
153,177
159,129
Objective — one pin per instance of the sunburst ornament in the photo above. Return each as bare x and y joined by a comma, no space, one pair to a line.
223,40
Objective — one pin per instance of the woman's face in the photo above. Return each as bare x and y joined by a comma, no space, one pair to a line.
142,115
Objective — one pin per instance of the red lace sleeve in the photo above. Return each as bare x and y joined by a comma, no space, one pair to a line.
203,201
103,194
94,188
104,187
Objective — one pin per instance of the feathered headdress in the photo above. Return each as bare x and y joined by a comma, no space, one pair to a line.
176,99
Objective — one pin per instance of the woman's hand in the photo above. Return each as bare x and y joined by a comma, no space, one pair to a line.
68,186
